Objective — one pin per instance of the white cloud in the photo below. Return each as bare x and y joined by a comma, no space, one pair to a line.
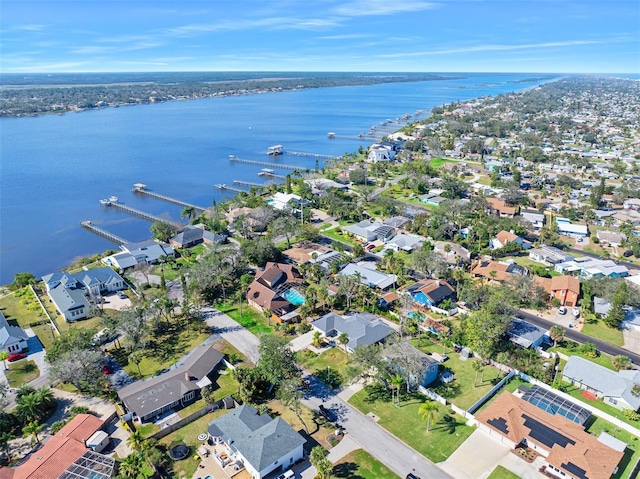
359,8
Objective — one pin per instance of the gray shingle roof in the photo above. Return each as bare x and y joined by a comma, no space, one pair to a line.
145,397
362,328
7,332
610,383
260,439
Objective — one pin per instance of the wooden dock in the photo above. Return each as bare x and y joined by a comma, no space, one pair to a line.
104,233
281,166
249,184
225,187
312,155
141,214
139,189
270,174
362,139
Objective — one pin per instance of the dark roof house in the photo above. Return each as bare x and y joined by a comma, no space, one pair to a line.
361,328
193,235
173,389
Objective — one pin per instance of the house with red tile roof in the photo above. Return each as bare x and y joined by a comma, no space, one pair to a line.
569,451
65,450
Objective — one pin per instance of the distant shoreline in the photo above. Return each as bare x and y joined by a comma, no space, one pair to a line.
32,99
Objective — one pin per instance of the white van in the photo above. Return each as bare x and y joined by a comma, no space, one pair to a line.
286,475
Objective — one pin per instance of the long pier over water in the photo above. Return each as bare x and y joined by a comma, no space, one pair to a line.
104,233
141,189
140,214
249,183
281,166
312,155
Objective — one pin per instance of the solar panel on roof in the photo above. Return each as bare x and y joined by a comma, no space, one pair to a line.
500,424
544,434
575,470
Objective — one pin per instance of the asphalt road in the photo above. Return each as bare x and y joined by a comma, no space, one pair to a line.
388,449
583,338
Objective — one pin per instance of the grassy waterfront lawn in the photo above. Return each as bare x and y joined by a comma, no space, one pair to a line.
21,372
447,431
461,391
360,464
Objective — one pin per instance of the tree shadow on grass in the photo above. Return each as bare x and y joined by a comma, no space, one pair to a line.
448,423
346,470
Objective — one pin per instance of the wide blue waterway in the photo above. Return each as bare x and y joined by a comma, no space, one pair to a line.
56,168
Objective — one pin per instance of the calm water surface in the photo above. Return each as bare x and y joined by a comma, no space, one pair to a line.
56,168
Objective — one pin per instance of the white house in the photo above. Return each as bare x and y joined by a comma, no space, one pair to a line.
13,339
263,445
565,227
286,201
369,231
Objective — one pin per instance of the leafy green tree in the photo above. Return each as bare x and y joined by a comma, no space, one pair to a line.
34,427
366,363
556,333
277,361
162,231
188,212
136,358
325,468
4,354
135,440
620,362
396,381
290,394
343,339
71,340
616,314
20,280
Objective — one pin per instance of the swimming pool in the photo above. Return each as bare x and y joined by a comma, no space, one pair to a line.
293,297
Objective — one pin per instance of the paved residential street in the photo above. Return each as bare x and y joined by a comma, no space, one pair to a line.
389,450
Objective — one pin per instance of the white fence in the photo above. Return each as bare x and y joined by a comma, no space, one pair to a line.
491,392
431,395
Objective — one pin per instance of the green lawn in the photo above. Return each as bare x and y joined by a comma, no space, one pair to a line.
163,351
335,235
21,309
438,162
632,453
597,329
571,349
502,473
447,432
21,372
189,435
251,319
330,366
461,391
361,465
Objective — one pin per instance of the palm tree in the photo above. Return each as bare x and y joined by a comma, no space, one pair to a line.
34,427
136,358
3,357
29,407
427,412
556,333
620,362
343,339
188,212
317,339
135,440
396,383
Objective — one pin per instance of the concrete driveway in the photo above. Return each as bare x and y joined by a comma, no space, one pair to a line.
112,301
301,342
388,449
241,339
476,457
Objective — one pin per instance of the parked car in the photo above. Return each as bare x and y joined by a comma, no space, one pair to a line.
106,369
562,310
412,476
15,357
576,312
327,413
286,475
121,295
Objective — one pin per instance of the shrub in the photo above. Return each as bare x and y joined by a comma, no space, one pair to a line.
304,327
631,415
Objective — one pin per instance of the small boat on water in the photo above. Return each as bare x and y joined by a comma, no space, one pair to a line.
331,134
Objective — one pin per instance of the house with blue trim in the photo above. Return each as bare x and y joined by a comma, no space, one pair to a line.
425,367
431,292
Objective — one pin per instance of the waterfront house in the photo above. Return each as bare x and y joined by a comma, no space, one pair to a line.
431,292
362,329
256,441
194,235
174,389
613,387
286,201
424,366
149,252
67,454
569,451
72,293
13,339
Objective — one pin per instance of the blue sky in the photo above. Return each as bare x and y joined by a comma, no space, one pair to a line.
593,36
